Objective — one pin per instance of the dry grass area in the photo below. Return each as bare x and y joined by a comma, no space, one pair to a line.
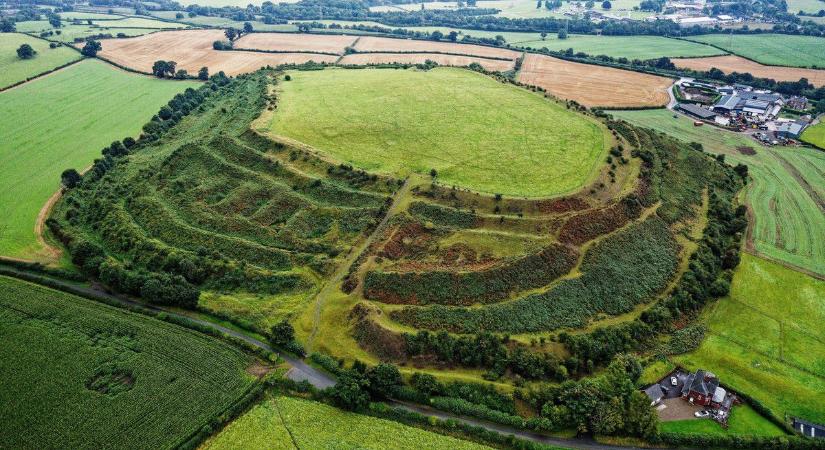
593,85
420,58
731,63
288,42
193,50
381,44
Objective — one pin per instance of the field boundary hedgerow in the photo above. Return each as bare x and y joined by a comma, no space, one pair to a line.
42,74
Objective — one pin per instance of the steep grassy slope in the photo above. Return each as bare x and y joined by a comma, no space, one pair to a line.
786,194
766,339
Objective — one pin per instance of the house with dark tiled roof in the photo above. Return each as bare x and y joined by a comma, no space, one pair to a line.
702,388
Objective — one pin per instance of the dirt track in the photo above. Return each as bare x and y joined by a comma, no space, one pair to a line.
419,58
593,85
192,49
380,44
731,63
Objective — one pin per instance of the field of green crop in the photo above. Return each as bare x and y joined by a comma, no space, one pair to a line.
80,374
786,193
771,49
14,69
631,47
476,132
743,421
63,121
767,339
815,135
292,423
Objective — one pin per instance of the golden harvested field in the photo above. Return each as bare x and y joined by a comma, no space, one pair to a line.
594,85
193,50
289,42
380,44
733,63
420,58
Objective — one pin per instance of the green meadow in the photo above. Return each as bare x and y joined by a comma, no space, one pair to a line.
815,135
13,69
292,423
63,121
771,49
83,375
477,133
785,194
766,339
631,47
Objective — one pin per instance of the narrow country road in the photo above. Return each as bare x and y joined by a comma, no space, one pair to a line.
301,371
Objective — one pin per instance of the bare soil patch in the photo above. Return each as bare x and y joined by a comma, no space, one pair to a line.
731,63
192,49
379,44
420,58
287,42
593,85
750,151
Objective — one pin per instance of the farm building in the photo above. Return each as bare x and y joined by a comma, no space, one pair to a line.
809,429
655,393
727,103
697,111
789,130
702,388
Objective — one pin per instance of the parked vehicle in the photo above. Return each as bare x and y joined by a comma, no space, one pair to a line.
674,381
702,414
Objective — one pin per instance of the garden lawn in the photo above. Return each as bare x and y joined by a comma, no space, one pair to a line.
743,420
80,374
13,69
815,135
63,121
291,423
771,49
766,339
786,192
476,132
630,47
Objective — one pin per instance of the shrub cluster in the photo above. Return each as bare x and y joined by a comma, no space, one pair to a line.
464,288
618,273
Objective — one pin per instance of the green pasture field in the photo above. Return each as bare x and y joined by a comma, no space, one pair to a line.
290,423
137,22
787,220
476,132
72,15
631,47
815,135
30,26
63,121
808,6
743,421
766,339
225,23
771,49
69,32
80,374
14,69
